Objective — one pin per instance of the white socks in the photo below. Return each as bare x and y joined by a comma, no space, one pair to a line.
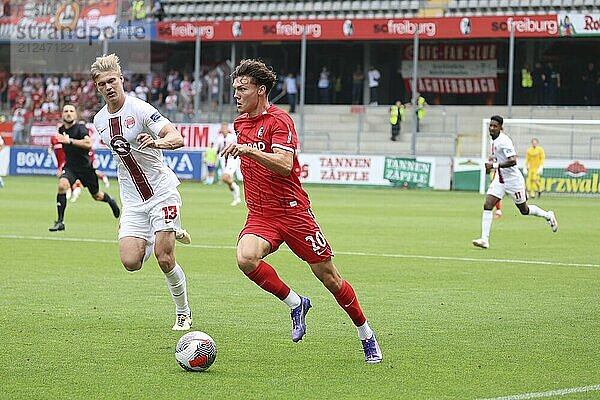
177,287
364,331
538,212
486,224
235,190
292,300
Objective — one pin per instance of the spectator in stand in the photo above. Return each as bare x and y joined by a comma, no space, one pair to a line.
358,79
3,87
171,106
552,84
156,92
27,90
14,89
129,90
158,11
48,108
53,90
141,91
290,88
539,78
19,120
374,77
185,92
590,79
324,86
65,82
213,82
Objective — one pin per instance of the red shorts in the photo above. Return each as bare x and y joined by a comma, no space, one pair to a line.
300,231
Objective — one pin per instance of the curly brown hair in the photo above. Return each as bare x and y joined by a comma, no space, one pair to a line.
258,71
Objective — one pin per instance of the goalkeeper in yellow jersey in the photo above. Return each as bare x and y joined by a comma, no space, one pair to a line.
534,163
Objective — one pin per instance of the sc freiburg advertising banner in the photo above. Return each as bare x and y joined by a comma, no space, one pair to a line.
360,29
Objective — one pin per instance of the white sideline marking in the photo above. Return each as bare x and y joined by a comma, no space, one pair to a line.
346,253
558,392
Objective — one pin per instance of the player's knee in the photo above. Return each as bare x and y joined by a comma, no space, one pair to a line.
63,186
165,260
98,196
247,261
524,210
132,265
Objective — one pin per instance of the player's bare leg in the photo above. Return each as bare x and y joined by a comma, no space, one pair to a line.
344,294
250,252
164,249
233,187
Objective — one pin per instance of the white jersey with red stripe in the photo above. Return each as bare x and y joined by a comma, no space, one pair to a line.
142,173
502,149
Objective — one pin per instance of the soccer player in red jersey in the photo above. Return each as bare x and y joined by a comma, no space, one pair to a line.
279,208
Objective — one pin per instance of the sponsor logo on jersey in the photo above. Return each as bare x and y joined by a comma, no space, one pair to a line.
155,117
120,145
258,145
260,133
129,122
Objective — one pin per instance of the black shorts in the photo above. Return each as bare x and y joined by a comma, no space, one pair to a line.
87,176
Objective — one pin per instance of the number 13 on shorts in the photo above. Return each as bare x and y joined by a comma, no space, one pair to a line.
170,212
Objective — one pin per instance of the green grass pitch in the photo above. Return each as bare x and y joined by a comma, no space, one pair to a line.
453,321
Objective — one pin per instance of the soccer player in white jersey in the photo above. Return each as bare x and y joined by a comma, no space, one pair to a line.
229,165
136,133
507,179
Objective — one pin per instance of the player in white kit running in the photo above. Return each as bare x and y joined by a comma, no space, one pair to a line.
151,221
507,179
230,165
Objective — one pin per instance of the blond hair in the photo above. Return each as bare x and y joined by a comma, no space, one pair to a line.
106,63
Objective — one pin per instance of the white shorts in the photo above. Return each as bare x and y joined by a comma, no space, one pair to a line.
515,188
231,166
161,214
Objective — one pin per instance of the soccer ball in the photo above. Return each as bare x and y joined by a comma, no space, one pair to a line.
196,351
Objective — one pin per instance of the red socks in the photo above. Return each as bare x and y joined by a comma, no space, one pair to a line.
346,298
266,277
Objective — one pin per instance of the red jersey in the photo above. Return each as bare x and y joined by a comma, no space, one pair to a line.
266,192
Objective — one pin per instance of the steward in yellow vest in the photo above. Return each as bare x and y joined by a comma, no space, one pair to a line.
396,118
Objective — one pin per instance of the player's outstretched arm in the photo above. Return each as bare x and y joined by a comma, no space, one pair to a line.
280,161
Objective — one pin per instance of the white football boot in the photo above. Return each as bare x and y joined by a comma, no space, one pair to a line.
553,221
182,236
484,244
183,323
